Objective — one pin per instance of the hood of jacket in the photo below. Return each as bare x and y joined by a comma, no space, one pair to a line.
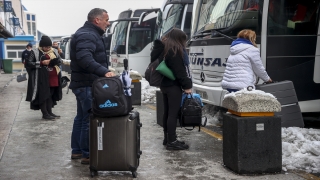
239,48
157,50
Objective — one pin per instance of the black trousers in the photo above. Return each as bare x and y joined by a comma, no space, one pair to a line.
46,107
172,96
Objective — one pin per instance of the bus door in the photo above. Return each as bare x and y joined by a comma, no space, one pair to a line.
292,49
140,38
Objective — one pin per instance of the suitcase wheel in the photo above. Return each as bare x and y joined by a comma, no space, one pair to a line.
92,173
134,174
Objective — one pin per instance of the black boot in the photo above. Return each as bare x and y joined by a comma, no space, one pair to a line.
174,144
55,116
165,140
177,145
47,117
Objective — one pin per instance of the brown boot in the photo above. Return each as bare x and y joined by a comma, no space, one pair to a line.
76,156
85,160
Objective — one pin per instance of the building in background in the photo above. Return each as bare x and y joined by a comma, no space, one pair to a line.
19,28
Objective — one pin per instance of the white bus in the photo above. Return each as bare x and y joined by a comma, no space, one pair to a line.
287,35
132,40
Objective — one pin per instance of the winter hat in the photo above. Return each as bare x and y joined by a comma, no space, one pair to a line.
29,44
45,41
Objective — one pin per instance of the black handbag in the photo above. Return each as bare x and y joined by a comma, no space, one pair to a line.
152,76
22,76
191,112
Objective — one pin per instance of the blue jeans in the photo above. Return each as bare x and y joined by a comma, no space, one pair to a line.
232,90
80,131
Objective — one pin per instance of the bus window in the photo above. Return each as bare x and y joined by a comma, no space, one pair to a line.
230,16
119,40
174,18
298,17
140,35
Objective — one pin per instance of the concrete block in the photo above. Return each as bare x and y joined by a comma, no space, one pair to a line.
252,145
136,93
251,101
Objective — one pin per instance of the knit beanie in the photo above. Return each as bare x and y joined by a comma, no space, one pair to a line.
45,41
29,44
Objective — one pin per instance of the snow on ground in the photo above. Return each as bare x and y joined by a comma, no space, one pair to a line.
148,93
301,149
300,146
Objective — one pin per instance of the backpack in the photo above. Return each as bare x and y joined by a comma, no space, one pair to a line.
152,76
108,98
191,111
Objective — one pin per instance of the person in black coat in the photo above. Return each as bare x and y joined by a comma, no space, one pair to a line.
25,54
56,46
44,86
88,62
171,49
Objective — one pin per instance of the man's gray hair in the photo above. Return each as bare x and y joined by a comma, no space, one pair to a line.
94,13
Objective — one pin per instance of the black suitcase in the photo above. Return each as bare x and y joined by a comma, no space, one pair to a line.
285,93
115,143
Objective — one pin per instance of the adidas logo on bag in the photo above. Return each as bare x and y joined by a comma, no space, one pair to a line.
105,86
108,104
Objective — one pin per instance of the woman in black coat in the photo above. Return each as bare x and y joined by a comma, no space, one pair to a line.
172,50
44,86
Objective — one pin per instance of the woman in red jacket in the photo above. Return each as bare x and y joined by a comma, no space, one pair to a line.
44,86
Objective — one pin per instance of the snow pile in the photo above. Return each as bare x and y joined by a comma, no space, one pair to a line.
210,112
245,91
148,93
135,75
301,149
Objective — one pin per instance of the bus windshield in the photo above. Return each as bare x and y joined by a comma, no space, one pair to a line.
119,40
141,35
229,16
174,18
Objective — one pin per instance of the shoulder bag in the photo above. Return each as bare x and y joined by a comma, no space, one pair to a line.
164,70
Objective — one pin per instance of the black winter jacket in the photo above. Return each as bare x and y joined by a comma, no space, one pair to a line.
175,63
24,56
88,56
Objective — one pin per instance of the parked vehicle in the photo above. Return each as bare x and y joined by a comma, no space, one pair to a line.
132,39
287,35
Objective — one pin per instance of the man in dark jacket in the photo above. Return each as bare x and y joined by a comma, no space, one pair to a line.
25,55
88,62
56,46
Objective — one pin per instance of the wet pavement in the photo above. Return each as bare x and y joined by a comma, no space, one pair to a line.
33,148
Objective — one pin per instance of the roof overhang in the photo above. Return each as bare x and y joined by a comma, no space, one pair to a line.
4,33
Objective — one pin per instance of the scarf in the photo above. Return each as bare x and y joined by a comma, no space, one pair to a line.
241,41
51,54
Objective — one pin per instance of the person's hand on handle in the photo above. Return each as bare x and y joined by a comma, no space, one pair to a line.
269,81
109,74
188,91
